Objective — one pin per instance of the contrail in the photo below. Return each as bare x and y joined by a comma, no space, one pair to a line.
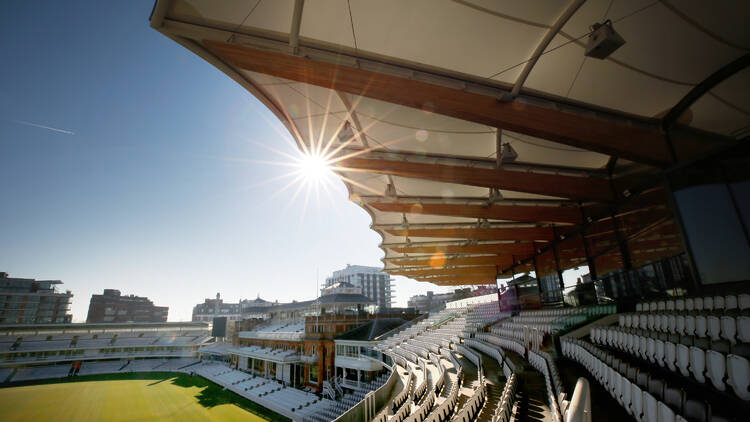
54,129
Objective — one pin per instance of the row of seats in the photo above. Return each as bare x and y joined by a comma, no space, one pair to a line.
505,343
692,361
552,321
639,403
552,381
728,303
474,405
731,328
504,409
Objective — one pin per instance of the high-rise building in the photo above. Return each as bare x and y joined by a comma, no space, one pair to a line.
112,306
375,284
211,309
430,302
29,301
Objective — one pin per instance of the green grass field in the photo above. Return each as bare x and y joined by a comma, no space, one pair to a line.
129,397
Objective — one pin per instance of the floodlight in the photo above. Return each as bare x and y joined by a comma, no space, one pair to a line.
508,154
603,40
346,133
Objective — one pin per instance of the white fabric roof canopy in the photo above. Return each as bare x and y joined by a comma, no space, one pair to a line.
670,48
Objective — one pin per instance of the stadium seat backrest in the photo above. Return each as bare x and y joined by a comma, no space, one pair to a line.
636,401
665,413
644,347
743,302
670,355
670,305
708,303
680,325
729,329
738,371
700,326
719,303
689,304
689,325
698,363
683,359
659,352
672,323
626,389
651,349
714,327
716,369
679,305
650,408
730,302
743,329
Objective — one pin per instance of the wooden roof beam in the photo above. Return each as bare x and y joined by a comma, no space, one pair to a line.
640,144
580,188
521,213
486,248
515,233
440,260
488,271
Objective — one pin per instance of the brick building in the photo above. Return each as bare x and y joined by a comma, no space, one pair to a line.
111,306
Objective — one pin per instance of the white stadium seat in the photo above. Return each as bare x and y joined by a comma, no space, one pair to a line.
743,301
650,408
689,304
636,401
672,323
698,363
714,327
730,302
683,359
680,325
665,413
679,305
716,369
738,372
670,355
698,302
708,303
670,305
719,303
743,329
700,326
729,329
689,325
659,352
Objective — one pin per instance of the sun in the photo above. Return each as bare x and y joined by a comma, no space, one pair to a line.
313,167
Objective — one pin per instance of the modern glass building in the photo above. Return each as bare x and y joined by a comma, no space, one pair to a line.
375,284
30,301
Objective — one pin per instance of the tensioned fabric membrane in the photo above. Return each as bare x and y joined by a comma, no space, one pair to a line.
476,133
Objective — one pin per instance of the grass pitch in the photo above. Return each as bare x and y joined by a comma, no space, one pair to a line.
128,397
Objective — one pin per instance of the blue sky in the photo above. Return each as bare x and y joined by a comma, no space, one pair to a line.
159,190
